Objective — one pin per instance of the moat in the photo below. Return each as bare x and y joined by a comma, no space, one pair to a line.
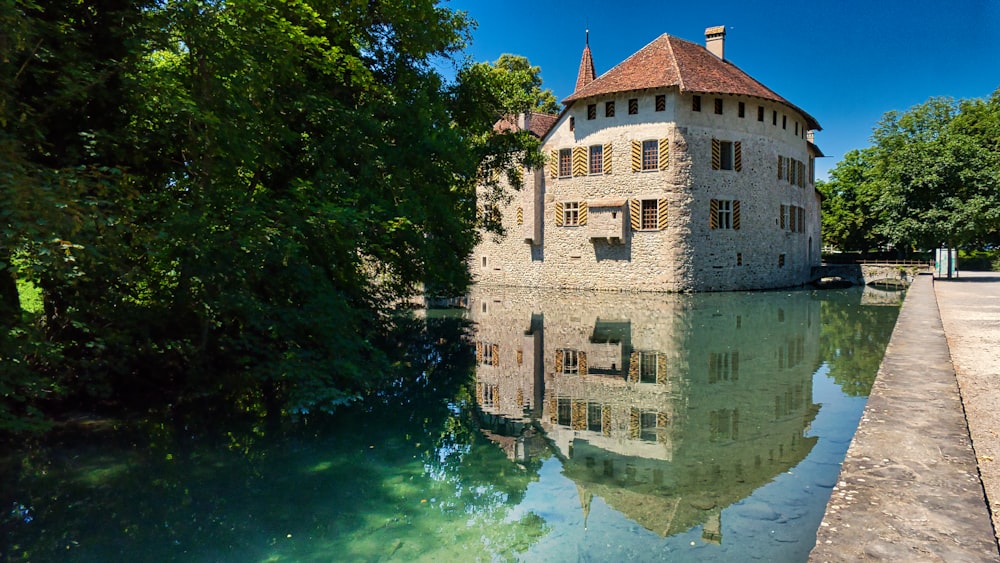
556,426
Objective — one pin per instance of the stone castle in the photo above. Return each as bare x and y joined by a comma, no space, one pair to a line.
673,171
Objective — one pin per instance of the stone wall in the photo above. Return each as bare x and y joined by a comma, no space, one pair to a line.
687,253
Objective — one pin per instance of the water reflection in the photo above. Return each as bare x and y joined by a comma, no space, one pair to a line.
668,407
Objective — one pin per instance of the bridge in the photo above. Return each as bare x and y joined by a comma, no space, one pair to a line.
894,273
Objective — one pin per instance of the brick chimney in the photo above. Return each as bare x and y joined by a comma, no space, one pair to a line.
715,41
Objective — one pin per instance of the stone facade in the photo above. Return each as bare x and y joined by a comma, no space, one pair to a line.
664,189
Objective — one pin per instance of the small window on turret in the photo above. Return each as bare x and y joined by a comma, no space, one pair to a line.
661,102
609,109
592,111
696,103
633,106
741,110
760,113
718,106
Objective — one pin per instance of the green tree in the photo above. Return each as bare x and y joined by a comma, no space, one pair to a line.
849,204
238,199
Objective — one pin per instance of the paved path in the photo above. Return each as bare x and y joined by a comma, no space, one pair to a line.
970,311
909,488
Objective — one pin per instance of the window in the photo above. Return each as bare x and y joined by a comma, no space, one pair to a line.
723,366
565,163
570,362
647,367
609,109
774,117
633,106
792,171
726,155
781,262
648,425
661,102
592,111
484,265
650,213
796,127
724,214
595,412
760,113
718,106
739,262
487,353
784,122
783,218
696,103
651,155
741,109
572,123
571,213
564,412
596,159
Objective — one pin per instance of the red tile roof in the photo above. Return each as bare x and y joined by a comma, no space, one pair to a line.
539,124
669,61
586,74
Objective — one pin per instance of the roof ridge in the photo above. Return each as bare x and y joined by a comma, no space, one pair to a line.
673,59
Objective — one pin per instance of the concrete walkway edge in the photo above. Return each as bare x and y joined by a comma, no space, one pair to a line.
909,487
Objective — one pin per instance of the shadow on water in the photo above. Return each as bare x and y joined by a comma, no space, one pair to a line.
534,425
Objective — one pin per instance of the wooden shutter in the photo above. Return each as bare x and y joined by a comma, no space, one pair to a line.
579,161
664,153
479,393
633,423
496,354
661,369
633,367
634,212
781,166
582,220
578,415
581,358
716,154
479,213
802,220
520,215
479,352
607,158
781,218
554,164
802,175
713,214
636,156
735,364
559,361
559,214
553,410
738,156
788,173
661,213
605,420
736,215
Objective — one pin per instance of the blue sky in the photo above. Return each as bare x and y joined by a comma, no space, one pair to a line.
845,62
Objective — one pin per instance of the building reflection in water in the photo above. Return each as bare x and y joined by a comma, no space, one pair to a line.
668,407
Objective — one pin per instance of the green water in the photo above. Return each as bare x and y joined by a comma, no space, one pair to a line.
560,426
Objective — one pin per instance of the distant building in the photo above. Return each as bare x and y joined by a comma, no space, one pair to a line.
673,171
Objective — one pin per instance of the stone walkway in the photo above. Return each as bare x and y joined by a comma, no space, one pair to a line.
909,487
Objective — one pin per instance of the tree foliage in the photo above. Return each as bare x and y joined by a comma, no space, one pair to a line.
931,178
217,197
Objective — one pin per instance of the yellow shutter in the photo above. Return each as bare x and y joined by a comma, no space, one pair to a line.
520,215
479,352
716,154
664,153
605,420
581,358
781,166
607,158
781,218
736,215
559,361
636,156
661,213
554,164
579,161
633,367
583,214
496,354
661,370
559,214
634,210
738,157
713,214
479,393
578,415
633,424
